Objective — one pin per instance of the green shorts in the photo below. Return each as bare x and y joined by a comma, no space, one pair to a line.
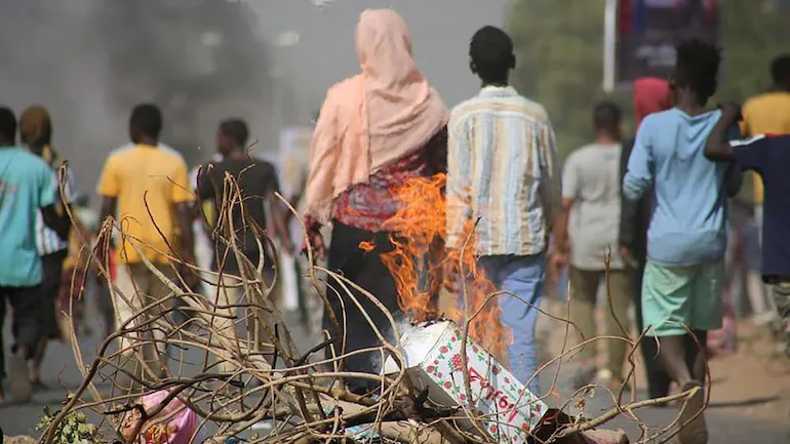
674,297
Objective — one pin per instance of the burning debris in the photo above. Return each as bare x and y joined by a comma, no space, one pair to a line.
433,389
434,358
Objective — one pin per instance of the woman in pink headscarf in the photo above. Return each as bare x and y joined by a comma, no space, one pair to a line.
375,131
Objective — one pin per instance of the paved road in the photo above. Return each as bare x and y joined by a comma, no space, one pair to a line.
728,424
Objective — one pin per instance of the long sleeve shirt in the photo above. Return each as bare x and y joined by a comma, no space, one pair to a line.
503,174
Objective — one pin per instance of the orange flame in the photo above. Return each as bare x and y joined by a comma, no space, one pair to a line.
418,259
367,246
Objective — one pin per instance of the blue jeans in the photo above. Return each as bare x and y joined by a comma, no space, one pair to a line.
523,277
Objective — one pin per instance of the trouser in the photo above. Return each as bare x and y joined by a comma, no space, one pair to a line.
658,379
522,278
139,287
584,289
781,294
366,270
229,298
311,307
25,320
52,265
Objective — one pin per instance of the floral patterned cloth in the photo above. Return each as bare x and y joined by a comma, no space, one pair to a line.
368,205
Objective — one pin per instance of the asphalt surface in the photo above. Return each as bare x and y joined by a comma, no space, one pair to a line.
729,422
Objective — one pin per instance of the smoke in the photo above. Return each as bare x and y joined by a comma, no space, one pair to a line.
90,61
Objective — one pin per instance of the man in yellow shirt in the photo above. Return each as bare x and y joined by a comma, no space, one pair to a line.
145,188
767,113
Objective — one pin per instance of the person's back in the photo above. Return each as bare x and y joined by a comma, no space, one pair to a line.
506,141
503,179
591,175
768,156
688,224
148,181
767,113
26,184
257,181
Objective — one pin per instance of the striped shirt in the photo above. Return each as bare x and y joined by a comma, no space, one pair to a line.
503,173
47,240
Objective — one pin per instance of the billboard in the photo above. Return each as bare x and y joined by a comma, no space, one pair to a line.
647,32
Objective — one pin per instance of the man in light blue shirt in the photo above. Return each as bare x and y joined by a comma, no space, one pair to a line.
686,239
27,184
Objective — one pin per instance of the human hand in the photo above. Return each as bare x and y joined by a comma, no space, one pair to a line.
557,262
452,275
315,242
628,257
287,245
188,274
730,111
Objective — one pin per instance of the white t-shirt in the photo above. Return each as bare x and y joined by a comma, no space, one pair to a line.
591,177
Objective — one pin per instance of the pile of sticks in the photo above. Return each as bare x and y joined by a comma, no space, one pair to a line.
299,397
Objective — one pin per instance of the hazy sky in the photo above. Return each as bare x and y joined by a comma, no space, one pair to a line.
89,61
325,53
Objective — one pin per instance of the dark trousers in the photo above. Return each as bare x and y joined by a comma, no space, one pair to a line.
25,307
658,379
366,270
52,265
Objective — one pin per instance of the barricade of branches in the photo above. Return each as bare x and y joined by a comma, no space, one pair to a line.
218,344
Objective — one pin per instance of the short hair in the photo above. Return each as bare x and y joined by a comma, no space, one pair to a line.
606,116
697,67
7,125
780,70
236,129
146,118
491,51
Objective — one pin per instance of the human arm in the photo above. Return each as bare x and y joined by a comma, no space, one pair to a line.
631,215
639,173
183,200
551,171
459,198
718,147
571,191
319,186
561,250
109,204
279,213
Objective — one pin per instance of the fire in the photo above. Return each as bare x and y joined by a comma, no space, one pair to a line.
367,246
418,260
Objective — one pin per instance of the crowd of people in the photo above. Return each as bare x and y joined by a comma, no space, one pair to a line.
646,216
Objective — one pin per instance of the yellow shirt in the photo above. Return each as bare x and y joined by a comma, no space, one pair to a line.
767,113
142,174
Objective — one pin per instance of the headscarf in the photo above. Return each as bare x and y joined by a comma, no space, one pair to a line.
175,424
35,130
651,95
374,118
35,126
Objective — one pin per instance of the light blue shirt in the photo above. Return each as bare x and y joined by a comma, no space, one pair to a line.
687,226
27,183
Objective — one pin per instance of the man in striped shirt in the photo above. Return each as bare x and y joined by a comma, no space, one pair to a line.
504,178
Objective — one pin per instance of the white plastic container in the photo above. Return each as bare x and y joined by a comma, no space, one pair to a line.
433,359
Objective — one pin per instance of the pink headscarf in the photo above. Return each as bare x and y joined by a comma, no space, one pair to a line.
374,118
175,424
651,95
